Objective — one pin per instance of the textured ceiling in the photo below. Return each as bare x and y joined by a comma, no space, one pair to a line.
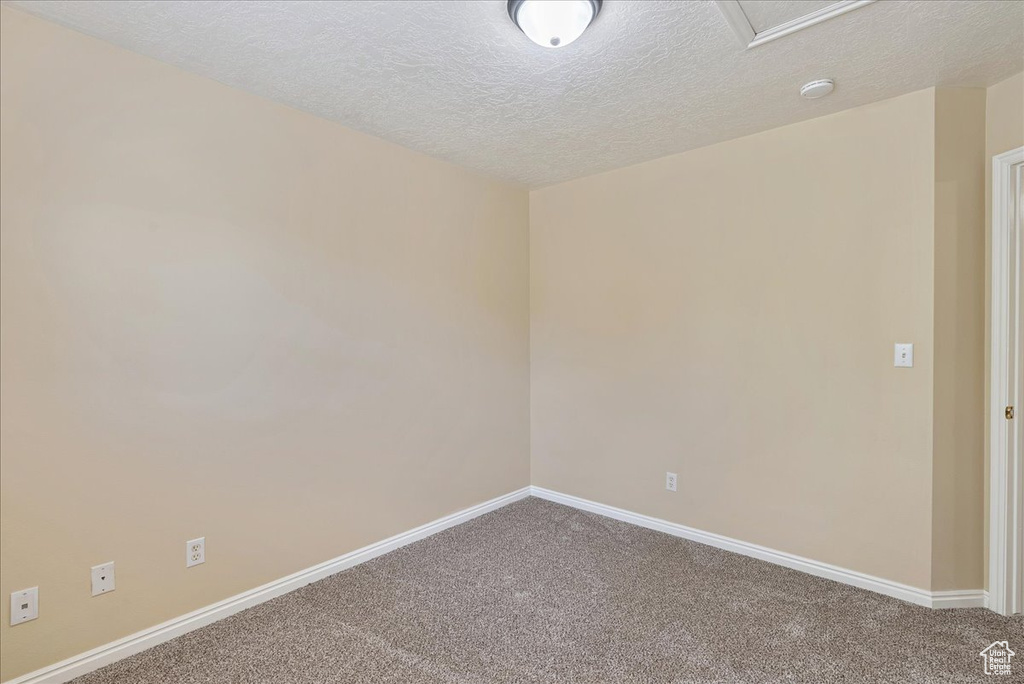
458,81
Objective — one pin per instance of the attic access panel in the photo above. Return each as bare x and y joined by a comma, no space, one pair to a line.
750,37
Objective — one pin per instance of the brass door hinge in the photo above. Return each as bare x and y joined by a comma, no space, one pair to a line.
1009,413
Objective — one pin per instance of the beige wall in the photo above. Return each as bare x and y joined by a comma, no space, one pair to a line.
223,317
729,314
958,519
1005,115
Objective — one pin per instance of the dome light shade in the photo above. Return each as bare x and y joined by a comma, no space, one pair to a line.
553,23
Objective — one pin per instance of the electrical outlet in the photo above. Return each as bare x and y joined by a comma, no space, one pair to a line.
102,578
670,482
195,552
24,605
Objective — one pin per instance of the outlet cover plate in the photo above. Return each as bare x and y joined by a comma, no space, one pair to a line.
24,605
195,552
671,479
103,578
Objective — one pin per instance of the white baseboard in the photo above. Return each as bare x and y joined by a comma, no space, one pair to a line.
960,598
79,665
76,666
922,597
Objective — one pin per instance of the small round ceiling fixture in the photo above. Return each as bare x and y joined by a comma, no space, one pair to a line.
819,88
553,23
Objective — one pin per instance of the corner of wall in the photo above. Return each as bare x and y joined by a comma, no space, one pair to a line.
959,354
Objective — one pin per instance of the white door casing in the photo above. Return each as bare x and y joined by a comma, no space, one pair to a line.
1006,467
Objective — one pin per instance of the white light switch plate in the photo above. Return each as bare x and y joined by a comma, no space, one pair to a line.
24,605
904,357
102,578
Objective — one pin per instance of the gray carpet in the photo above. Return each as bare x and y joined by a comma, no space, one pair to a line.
537,592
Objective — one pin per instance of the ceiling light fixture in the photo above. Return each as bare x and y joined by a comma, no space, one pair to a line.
553,23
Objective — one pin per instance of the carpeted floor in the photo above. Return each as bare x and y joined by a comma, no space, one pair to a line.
537,592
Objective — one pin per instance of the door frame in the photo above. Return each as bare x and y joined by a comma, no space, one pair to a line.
1006,507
